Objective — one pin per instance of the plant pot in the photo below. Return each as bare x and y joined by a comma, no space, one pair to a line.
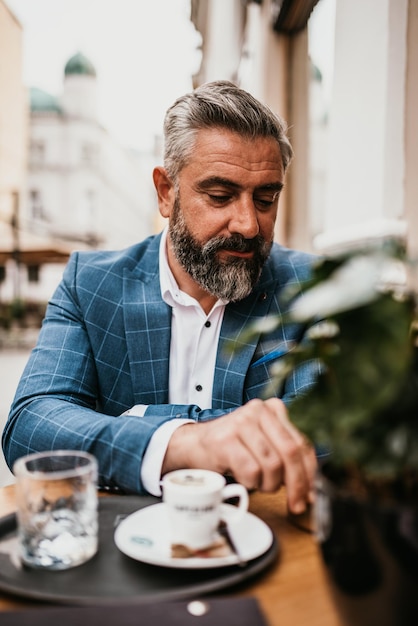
370,554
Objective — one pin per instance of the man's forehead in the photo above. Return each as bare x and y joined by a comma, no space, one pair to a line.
228,155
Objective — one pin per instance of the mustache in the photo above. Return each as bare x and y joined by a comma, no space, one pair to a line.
236,243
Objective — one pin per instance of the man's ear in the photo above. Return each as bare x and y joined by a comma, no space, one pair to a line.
165,191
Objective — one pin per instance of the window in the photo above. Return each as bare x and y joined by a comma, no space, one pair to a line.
37,151
33,273
36,207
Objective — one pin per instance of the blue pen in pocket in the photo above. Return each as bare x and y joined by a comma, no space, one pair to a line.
271,356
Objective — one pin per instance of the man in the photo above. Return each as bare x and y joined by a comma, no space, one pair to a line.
131,363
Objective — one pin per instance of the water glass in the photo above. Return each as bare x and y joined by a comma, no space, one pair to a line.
56,495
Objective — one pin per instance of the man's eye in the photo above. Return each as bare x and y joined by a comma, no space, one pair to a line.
218,199
265,203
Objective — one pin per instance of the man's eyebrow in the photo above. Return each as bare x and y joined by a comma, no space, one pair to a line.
212,181
208,183
271,187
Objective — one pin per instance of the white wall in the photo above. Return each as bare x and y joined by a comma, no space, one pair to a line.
366,158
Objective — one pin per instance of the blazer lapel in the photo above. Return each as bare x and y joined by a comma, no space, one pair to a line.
231,368
148,331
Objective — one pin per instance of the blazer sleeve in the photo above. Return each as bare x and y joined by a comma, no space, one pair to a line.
59,404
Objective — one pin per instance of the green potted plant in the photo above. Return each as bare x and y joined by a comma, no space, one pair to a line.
363,409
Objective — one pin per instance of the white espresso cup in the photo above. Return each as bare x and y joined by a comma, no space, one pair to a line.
194,500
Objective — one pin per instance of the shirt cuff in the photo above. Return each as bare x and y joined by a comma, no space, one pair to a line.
153,458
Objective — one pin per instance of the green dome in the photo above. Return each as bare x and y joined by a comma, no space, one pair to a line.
42,101
79,64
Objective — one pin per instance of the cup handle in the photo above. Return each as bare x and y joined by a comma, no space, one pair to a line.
235,490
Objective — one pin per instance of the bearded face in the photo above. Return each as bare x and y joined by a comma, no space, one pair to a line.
229,279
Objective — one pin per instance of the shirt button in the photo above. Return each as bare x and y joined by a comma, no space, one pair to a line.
207,324
198,387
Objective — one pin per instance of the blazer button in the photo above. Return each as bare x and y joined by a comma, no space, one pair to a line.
262,297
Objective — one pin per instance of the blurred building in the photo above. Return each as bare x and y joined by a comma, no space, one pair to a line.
354,168
84,189
82,185
78,188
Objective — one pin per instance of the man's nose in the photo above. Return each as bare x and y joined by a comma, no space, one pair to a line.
244,219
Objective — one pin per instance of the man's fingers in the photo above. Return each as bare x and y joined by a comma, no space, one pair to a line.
298,458
266,462
257,444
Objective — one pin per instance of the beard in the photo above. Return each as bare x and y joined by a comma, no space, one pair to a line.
232,279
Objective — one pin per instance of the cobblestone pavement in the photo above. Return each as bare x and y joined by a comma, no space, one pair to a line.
12,362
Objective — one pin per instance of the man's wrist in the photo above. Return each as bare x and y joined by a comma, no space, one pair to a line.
182,449
151,468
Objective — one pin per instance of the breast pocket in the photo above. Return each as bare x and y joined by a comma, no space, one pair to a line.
258,375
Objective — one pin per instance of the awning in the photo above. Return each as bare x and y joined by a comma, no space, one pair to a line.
31,249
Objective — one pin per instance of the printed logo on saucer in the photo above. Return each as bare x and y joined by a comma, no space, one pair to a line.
142,541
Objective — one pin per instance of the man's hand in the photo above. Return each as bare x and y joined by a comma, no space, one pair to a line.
256,444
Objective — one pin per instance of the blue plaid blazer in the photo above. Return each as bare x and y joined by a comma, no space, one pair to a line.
104,347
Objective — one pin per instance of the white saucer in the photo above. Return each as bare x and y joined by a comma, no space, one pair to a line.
144,536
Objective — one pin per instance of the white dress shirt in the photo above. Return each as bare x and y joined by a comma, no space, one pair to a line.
193,348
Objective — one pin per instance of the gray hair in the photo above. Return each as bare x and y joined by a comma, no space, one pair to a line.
218,104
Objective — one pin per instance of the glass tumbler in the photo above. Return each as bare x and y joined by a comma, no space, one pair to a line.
56,496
